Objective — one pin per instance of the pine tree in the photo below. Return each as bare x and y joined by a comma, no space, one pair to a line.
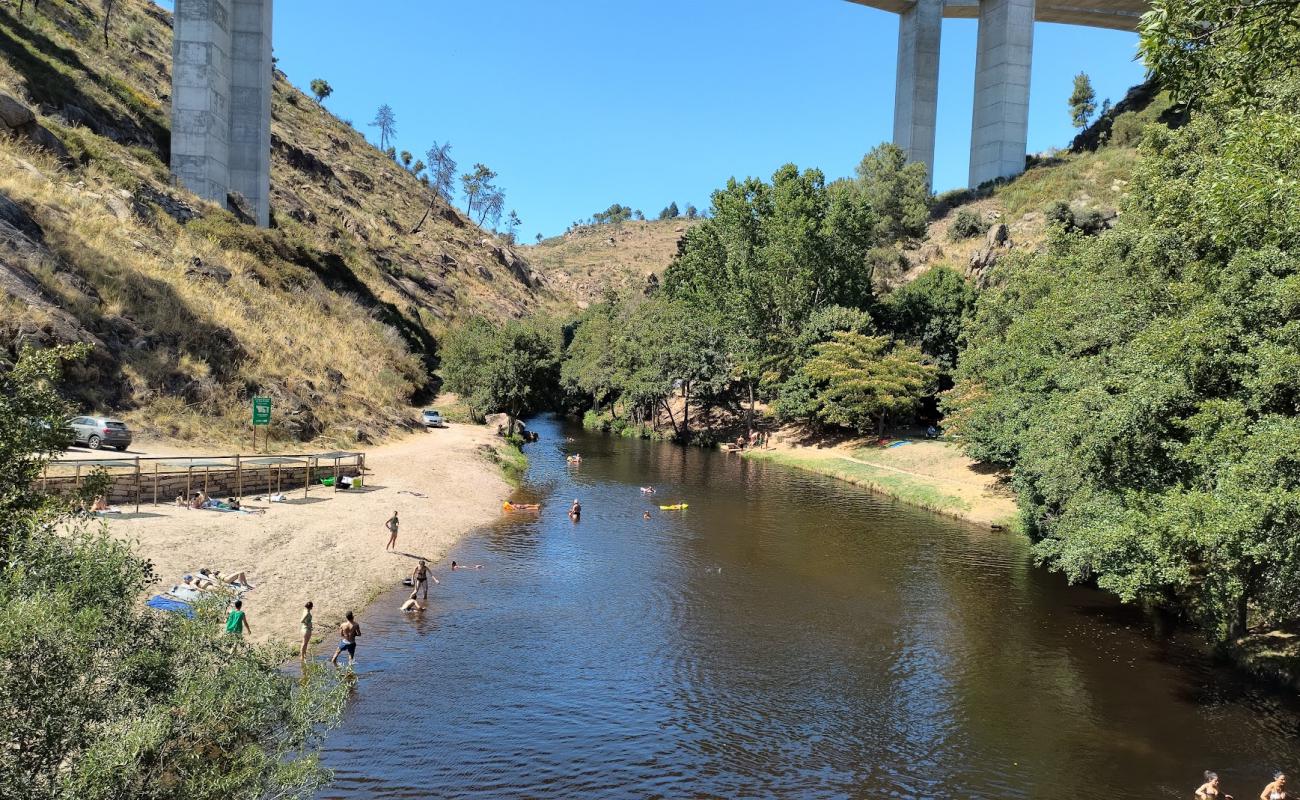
1083,101
386,121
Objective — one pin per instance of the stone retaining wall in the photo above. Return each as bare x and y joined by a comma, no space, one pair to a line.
220,483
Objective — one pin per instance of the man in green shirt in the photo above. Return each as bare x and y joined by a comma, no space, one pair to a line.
237,621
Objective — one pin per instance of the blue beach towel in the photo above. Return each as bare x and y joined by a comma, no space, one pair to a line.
165,603
899,443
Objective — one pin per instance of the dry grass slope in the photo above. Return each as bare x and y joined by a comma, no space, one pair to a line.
584,264
334,312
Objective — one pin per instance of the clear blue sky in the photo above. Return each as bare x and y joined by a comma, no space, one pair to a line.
582,103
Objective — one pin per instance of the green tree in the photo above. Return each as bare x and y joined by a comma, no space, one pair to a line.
931,312
898,193
589,360
510,368
1083,101
480,190
1203,49
797,394
1140,383
442,170
512,225
405,157
862,380
614,215
386,121
670,211
118,700
321,89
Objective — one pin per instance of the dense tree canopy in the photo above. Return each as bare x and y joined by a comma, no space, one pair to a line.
1142,383
510,367
103,698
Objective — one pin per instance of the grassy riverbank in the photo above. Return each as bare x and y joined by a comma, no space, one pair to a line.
928,474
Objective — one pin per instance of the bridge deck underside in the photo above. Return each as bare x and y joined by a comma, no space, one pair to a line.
1120,15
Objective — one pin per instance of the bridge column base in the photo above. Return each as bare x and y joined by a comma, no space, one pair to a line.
1000,123
916,93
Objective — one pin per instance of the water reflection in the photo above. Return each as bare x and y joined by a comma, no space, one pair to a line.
786,636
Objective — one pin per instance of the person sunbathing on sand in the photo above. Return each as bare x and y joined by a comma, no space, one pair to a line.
238,579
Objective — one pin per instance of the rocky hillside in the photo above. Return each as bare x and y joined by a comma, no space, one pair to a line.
587,262
1087,182
334,311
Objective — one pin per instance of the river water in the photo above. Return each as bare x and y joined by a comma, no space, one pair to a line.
786,636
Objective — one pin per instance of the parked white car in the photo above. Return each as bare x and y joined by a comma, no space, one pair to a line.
432,419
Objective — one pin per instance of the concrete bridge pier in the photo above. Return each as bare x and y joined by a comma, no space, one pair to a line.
1004,54
916,93
1000,122
221,100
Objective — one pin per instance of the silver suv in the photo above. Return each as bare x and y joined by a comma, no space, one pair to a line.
97,432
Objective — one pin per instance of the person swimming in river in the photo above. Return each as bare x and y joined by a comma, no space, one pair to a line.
1210,789
575,510
645,515
413,606
1277,789
576,458
647,490
522,506
455,566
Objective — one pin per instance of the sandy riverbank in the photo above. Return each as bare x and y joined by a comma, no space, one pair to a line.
330,548
930,474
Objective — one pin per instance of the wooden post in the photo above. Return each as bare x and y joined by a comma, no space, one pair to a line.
77,483
137,484
336,474
155,483
268,483
307,479
239,479
189,483
205,479
45,478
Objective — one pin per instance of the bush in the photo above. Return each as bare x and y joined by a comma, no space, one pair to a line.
966,225
594,420
1126,130
1088,220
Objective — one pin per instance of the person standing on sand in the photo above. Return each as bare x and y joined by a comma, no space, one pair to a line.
348,632
391,525
420,577
237,621
304,627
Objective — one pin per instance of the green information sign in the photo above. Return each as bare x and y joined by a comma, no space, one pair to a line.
261,411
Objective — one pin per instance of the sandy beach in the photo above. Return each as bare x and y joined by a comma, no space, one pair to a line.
330,548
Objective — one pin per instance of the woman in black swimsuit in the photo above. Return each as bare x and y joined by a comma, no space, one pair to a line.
420,576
